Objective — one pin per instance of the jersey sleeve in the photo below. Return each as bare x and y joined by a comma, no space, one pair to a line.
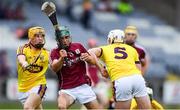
143,54
83,49
136,57
54,55
20,51
101,54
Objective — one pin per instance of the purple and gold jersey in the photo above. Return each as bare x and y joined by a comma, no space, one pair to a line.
73,71
36,74
120,60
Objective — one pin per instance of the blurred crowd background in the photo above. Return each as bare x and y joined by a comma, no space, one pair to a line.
158,23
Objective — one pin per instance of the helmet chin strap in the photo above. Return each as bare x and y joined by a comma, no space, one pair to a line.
37,46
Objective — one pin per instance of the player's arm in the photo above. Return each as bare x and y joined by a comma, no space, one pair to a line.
21,57
88,58
102,69
145,64
96,53
138,65
57,64
22,60
137,61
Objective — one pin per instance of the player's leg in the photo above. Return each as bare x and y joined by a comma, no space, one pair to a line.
65,100
35,96
93,105
122,89
86,96
103,101
33,101
39,107
143,102
140,92
133,105
123,104
102,90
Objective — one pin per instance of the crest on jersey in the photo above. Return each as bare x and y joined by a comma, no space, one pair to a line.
77,51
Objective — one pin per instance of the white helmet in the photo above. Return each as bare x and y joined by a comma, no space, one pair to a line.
116,36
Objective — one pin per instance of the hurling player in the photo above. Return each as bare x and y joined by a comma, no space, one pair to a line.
131,34
124,70
32,63
68,61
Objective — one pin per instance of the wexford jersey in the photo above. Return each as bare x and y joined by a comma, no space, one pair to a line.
36,74
120,60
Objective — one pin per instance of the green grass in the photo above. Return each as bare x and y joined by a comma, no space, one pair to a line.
10,105
46,105
53,105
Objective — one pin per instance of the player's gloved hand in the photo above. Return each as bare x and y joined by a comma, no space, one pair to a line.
150,92
29,67
24,65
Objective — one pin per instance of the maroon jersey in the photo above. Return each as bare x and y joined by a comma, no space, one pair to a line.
93,73
73,71
141,52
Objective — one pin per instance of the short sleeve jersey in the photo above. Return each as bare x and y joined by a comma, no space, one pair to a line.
141,52
36,74
73,71
120,60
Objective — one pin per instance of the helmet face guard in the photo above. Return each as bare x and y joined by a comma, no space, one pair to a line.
32,33
60,34
131,29
115,36
131,34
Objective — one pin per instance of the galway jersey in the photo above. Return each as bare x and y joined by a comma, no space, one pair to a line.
120,60
35,74
141,52
73,71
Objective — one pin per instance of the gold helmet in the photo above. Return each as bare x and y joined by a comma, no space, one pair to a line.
35,30
131,29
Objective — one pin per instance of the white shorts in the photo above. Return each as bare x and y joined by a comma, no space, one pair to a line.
128,87
83,93
40,90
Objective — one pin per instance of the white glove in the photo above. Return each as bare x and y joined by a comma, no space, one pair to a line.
25,64
149,90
